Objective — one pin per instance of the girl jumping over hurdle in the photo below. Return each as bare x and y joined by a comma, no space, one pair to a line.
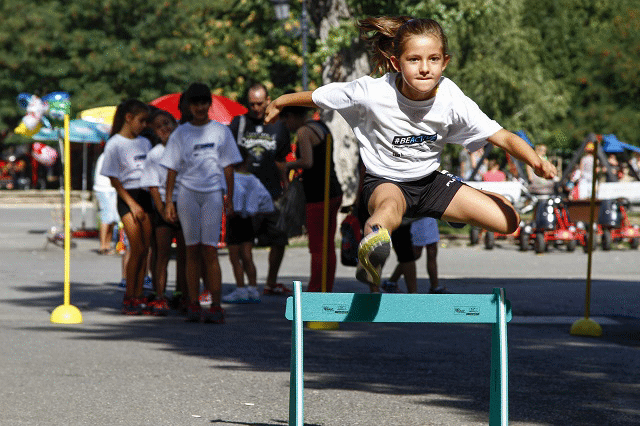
402,121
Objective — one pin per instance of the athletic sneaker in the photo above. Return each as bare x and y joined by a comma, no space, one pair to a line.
132,306
194,312
276,290
159,307
213,315
254,295
205,298
239,295
390,287
373,252
148,283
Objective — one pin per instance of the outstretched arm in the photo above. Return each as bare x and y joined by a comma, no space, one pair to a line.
516,146
290,99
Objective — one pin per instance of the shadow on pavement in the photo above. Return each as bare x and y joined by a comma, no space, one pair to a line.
555,378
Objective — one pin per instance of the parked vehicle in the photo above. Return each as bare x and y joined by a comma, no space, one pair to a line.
550,225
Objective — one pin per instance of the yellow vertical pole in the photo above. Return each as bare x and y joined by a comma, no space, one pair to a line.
67,313
325,237
586,326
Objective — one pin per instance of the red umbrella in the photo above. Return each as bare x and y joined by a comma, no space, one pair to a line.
222,109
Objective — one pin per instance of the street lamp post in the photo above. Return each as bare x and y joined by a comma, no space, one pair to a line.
281,8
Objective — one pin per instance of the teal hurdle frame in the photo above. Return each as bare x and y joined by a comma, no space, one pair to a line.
413,308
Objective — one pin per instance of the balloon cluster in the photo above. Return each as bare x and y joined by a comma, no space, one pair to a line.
54,105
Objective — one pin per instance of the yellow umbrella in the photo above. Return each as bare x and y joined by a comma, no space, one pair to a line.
100,115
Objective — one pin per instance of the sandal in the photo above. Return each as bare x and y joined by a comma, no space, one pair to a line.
276,290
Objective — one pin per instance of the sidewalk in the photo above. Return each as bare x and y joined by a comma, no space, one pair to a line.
114,369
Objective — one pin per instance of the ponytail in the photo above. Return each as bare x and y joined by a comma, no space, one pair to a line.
387,35
133,106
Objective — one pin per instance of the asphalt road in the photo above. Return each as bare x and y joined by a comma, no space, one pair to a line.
119,370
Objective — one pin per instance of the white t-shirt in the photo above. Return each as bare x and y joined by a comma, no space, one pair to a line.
153,174
199,154
123,159
101,183
401,139
250,196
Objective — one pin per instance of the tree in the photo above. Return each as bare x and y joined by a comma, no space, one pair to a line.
593,49
107,50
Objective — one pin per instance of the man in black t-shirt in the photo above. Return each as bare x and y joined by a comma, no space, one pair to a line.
269,145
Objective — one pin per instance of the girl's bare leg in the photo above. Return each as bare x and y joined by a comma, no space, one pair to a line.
247,263
386,206
213,274
138,233
236,264
483,209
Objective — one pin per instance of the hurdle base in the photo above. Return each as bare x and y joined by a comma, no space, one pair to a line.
66,314
323,325
586,327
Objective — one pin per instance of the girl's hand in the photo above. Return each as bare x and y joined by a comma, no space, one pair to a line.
138,213
271,112
545,169
170,214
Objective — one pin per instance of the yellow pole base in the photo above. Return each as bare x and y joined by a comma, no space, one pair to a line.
66,314
323,325
586,327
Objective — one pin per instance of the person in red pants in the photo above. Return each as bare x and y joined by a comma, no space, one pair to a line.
313,140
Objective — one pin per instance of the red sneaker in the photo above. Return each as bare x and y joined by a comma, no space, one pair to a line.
277,290
131,306
215,315
159,307
194,312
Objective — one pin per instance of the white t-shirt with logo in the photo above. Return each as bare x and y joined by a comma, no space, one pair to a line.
199,154
124,159
401,139
153,174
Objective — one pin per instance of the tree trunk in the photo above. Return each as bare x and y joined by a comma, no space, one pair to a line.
349,64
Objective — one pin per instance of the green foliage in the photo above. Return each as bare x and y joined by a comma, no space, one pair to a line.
557,70
103,51
592,48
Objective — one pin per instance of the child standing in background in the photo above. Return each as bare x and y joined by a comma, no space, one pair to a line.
155,178
203,152
250,197
124,156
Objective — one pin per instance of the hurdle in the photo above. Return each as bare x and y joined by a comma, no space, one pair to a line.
396,308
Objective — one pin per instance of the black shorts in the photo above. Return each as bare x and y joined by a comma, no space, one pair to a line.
158,221
402,244
426,197
142,197
267,231
239,230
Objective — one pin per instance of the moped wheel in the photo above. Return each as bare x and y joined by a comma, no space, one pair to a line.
474,235
571,245
540,245
524,241
489,240
606,240
634,243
